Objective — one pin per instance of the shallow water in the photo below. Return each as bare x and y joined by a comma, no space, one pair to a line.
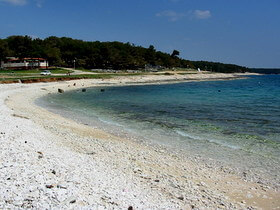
236,122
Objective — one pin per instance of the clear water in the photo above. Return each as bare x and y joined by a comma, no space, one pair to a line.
236,122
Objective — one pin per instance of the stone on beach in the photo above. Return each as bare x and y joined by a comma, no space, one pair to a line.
60,90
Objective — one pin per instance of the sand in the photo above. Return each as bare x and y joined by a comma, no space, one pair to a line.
48,161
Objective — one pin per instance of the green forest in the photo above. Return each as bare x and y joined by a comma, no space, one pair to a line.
101,55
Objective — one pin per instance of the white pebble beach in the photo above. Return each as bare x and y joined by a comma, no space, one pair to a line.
51,162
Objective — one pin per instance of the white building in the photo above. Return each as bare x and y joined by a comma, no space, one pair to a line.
24,63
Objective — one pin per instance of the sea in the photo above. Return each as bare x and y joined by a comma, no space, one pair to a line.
233,122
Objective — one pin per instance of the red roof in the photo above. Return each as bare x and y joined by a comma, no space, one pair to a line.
22,59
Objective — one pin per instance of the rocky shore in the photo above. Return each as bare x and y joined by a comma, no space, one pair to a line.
47,162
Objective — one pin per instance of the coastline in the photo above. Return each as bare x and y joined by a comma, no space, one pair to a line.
54,162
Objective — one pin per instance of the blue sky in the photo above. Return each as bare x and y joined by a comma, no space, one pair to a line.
244,32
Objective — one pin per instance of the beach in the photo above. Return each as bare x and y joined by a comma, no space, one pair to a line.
48,161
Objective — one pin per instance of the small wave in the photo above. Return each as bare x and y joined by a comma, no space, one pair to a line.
110,122
188,135
209,140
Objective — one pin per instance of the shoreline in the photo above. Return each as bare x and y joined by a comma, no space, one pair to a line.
168,78
86,167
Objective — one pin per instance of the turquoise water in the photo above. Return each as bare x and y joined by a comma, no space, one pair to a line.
236,122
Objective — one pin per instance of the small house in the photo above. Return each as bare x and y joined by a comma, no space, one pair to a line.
24,63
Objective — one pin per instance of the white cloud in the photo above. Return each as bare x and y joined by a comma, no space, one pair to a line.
15,2
39,3
171,15
202,14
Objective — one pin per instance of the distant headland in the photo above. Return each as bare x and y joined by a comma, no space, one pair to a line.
265,70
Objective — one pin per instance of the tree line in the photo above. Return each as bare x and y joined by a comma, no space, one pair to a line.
65,51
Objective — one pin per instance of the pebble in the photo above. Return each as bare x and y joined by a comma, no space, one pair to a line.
137,170
181,198
49,186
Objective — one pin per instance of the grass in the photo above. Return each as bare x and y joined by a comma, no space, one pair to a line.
34,75
60,71
57,74
85,70
59,77
32,71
